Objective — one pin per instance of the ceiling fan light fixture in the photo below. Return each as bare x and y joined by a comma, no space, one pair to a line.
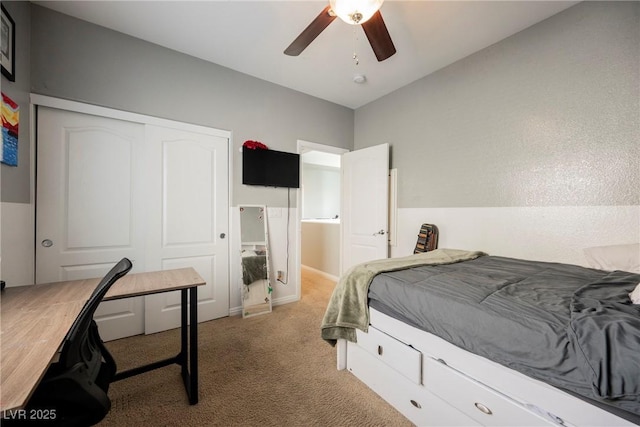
355,12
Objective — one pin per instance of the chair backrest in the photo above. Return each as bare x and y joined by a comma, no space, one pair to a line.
74,339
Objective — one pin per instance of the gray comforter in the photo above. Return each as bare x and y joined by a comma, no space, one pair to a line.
569,326
348,310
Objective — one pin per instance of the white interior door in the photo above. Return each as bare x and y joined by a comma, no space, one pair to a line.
365,205
188,224
90,206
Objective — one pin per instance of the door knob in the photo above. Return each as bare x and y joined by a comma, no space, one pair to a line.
379,232
222,235
47,243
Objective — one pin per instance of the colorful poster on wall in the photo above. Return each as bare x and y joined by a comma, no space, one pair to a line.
10,122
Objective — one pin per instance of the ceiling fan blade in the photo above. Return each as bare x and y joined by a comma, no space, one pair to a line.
379,37
309,34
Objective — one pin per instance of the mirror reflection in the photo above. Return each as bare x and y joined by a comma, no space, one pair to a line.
256,294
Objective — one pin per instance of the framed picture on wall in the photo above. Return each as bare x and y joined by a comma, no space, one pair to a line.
8,48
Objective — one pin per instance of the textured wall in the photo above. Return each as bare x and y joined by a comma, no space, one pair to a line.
546,233
547,117
529,148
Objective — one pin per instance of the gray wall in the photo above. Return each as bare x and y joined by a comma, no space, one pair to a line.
547,117
80,61
15,180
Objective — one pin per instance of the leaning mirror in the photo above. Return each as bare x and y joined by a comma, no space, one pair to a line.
256,286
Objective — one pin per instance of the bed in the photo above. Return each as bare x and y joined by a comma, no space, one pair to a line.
463,338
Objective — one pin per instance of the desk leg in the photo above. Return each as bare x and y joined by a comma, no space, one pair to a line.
184,336
189,346
193,353
188,356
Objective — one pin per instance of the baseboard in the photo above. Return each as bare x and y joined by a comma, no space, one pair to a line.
321,273
237,311
285,300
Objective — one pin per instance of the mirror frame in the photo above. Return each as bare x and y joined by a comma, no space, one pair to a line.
261,287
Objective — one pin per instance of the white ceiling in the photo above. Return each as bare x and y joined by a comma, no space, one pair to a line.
250,36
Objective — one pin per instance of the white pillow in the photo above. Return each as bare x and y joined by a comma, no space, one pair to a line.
614,257
635,295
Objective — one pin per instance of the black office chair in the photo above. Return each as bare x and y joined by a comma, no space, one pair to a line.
76,386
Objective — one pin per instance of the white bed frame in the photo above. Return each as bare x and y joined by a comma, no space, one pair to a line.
434,383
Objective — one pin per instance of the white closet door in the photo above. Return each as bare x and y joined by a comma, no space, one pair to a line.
90,206
188,220
109,188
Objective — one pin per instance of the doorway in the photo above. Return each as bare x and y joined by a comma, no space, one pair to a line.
319,208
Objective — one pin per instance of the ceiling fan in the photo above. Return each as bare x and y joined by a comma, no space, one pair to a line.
365,13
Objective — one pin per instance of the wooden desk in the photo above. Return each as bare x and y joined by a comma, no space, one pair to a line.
35,319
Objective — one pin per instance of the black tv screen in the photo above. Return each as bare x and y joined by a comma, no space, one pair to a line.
270,168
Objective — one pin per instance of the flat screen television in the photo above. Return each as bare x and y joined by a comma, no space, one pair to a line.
270,168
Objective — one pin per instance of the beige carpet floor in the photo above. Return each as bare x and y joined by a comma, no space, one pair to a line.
269,370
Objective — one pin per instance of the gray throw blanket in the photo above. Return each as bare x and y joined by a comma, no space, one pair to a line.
348,307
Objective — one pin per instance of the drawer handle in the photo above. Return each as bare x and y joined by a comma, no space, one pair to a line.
483,408
416,404
379,350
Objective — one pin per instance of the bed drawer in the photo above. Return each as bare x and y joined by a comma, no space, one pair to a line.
479,402
413,401
401,357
